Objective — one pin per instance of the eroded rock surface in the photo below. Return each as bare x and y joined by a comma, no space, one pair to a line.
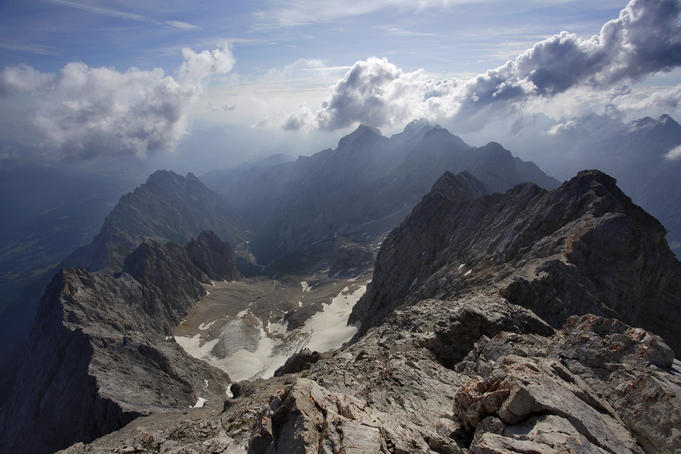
100,352
582,248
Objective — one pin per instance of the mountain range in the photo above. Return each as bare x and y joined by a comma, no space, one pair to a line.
361,189
512,322
506,313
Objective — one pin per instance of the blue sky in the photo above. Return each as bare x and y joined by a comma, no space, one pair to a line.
82,78
444,37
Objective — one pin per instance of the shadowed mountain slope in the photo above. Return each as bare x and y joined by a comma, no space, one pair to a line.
168,207
583,247
359,190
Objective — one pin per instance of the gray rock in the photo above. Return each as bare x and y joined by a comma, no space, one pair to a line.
298,362
582,248
100,352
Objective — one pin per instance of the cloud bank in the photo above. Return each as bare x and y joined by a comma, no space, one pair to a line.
645,39
83,112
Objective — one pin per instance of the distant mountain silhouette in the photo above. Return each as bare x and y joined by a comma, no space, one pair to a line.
363,188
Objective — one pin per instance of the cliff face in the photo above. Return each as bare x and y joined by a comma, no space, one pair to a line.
100,351
581,248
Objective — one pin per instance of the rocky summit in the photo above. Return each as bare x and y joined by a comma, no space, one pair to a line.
533,321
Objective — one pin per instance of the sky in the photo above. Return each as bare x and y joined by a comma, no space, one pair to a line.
213,83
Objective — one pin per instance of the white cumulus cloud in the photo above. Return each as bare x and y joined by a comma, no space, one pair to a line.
645,39
84,112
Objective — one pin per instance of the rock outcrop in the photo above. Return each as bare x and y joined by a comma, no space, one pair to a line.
101,353
583,247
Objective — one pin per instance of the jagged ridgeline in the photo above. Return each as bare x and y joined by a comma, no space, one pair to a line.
494,323
581,248
168,207
363,188
503,315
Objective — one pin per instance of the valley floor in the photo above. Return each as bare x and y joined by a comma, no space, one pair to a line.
248,328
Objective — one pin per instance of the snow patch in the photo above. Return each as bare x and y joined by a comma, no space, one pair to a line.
200,402
461,266
305,286
194,345
229,392
329,329
243,313
206,326
468,272
205,384
247,350
413,283
277,328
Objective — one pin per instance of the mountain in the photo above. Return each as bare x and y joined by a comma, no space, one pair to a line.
636,153
101,353
168,207
47,212
639,160
360,190
581,248
494,323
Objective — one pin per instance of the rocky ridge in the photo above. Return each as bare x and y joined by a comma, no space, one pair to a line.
581,248
101,353
168,207
447,362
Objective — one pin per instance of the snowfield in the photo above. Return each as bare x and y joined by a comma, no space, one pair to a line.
247,348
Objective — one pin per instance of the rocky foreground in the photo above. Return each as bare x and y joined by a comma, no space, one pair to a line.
527,322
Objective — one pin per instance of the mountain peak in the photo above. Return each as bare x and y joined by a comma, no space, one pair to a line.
363,129
416,125
459,187
363,133
666,119
163,176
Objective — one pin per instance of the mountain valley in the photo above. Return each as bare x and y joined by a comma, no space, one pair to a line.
497,311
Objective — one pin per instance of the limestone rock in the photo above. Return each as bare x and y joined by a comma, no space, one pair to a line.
100,352
581,248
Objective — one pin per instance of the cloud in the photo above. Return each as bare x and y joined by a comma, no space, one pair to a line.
198,65
674,154
30,48
22,79
84,112
300,12
645,39
103,11
182,25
